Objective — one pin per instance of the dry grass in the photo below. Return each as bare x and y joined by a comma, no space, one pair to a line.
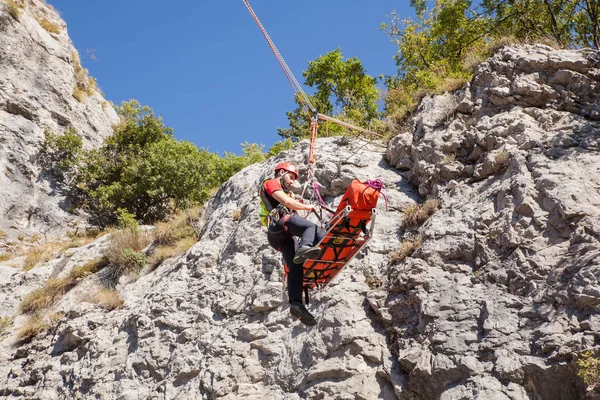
175,236
124,252
13,8
39,254
5,323
3,234
108,299
236,215
54,289
407,248
79,94
36,325
45,297
6,256
178,227
417,214
501,160
162,253
48,26
373,282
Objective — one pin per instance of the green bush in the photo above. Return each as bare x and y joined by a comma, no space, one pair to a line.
141,172
589,369
438,50
130,262
60,153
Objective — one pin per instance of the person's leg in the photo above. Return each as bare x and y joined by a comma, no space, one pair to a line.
304,229
296,272
319,235
295,281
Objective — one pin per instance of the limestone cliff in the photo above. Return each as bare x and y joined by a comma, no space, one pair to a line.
497,302
40,72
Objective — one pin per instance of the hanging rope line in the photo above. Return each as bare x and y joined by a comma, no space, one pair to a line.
310,109
302,96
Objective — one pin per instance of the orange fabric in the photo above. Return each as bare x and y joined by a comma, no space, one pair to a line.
359,196
345,238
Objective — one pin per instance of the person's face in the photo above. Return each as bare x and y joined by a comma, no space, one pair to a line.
288,178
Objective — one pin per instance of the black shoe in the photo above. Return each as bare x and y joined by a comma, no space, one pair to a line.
306,253
298,310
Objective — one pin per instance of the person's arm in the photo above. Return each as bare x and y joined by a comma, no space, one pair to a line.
291,203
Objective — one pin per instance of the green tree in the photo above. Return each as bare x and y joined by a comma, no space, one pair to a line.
343,89
437,50
141,171
60,153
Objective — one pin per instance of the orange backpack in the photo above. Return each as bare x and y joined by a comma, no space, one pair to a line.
360,196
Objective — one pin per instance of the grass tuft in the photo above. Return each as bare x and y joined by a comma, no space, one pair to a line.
36,325
5,323
108,299
416,214
54,289
12,8
49,26
406,249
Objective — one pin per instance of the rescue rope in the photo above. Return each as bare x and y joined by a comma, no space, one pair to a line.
305,102
302,97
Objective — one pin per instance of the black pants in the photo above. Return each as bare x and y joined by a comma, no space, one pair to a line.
282,239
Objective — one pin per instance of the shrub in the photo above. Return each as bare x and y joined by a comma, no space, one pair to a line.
589,369
417,214
126,220
49,26
407,248
280,146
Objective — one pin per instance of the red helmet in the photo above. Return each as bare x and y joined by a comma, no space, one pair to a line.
288,167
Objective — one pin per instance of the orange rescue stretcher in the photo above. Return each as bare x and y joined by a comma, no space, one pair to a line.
347,234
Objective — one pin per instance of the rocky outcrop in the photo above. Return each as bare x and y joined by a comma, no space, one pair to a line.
216,324
505,286
497,302
39,71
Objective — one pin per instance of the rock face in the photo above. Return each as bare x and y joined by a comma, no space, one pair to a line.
504,290
39,71
496,303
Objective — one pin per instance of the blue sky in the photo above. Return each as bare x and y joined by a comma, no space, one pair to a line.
204,65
